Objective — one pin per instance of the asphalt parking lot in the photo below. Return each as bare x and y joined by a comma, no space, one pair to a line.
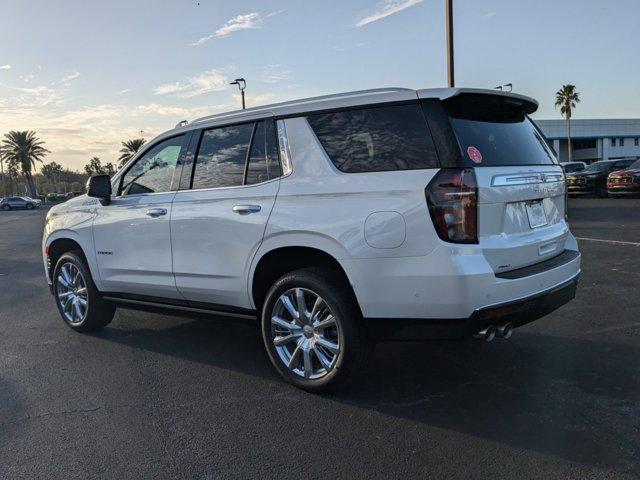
165,397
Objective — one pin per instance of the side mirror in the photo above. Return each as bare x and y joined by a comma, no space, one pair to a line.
99,186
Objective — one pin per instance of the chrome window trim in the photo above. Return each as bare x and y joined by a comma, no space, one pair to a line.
228,187
283,145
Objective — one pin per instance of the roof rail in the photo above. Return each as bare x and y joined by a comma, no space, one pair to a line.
303,101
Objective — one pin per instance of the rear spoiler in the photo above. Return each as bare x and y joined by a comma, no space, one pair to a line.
524,104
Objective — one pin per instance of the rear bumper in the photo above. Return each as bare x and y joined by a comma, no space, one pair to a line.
518,312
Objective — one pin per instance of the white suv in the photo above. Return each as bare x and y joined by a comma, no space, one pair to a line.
337,221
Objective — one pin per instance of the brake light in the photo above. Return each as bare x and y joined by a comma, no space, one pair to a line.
452,197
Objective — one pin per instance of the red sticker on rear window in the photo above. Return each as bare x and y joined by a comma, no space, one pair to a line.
474,154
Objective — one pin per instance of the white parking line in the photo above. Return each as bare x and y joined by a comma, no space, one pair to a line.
635,244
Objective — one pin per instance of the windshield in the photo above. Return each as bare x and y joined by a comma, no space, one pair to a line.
492,133
597,167
635,165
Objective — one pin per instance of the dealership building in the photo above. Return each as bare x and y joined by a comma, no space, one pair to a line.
594,140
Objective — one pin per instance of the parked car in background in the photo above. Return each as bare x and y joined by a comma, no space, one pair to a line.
593,179
625,182
571,167
11,203
35,201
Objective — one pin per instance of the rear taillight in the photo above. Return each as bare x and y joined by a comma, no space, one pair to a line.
452,197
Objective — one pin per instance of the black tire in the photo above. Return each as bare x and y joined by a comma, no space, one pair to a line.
6,208
98,313
29,206
350,335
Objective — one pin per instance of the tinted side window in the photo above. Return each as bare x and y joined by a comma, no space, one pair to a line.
263,159
154,171
221,157
376,139
622,165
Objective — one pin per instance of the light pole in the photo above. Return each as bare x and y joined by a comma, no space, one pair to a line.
448,8
241,86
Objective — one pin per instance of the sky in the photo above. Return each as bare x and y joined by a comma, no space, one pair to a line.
86,75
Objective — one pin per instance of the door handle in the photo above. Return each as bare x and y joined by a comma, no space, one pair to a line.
156,212
246,209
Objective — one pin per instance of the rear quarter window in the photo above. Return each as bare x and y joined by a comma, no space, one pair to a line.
493,131
376,139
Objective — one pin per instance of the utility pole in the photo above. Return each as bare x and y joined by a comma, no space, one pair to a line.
448,8
242,84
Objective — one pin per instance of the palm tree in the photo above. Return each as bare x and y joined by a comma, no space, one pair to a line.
129,149
23,149
566,99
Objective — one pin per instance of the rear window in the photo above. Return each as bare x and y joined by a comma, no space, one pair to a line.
376,139
493,131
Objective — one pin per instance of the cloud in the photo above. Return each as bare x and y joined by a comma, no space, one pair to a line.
489,15
35,97
274,73
67,78
122,92
386,8
209,81
273,14
255,100
246,21
5,67
241,22
181,112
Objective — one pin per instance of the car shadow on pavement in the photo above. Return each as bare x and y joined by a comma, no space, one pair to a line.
537,392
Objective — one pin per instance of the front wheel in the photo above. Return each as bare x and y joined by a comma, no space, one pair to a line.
78,301
311,327
6,208
29,206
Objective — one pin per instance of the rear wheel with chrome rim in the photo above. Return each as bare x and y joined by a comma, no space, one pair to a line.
78,301
312,329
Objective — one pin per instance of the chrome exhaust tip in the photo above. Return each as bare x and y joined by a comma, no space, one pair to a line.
486,334
505,330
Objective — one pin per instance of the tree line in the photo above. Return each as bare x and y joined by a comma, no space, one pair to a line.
22,151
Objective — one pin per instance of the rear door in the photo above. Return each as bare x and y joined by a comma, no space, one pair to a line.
521,188
220,214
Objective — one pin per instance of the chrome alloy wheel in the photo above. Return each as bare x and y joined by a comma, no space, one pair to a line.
305,333
71,293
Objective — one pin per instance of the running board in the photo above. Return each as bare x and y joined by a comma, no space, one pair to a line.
124,302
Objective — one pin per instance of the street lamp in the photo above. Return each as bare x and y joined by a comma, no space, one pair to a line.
241,86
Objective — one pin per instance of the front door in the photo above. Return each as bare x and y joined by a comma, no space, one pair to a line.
132,236
218,224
